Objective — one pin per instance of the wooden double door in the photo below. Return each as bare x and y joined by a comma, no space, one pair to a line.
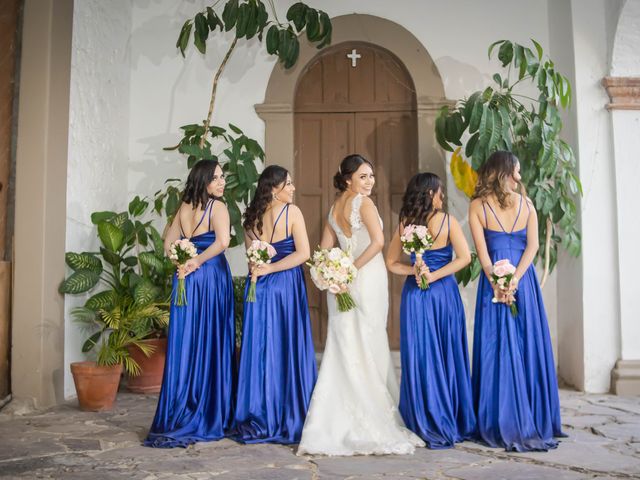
342,110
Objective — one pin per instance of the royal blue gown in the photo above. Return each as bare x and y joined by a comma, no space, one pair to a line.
436,400
196,396
277,369
514,378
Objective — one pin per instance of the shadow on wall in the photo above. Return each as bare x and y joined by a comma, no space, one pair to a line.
460,78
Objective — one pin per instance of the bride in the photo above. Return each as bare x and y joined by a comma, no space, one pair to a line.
353,409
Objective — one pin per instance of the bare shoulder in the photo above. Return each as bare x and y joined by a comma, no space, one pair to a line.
294,212
529,202
219,207
475,205
367,203
453,221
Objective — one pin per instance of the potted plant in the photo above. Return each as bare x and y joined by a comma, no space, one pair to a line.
127,316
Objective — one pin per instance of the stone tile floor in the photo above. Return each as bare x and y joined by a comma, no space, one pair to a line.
603,443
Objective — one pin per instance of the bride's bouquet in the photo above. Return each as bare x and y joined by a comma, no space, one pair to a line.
179,252
333,270
258,253
502,273
417,239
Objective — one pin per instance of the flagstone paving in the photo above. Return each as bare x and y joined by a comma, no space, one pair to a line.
63,442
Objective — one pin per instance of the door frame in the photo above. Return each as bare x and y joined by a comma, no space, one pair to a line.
278,107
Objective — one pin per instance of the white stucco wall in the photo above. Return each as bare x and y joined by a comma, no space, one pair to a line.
168,91
131,90
98,135
592,27
626,125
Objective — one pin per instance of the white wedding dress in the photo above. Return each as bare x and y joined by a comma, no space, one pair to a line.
353,409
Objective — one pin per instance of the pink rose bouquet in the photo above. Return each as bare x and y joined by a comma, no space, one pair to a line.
502,273
258,253
333,270
179,252
417,239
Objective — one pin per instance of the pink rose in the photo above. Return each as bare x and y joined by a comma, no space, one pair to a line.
510,269
500,270
421,231
502,262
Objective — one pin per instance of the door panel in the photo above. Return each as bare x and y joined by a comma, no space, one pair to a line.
370,110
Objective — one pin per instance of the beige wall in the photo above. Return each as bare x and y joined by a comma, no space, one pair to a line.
41,172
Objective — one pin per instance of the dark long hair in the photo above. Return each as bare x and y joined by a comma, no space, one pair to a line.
417,202
271,177
201,175
493,175
348,167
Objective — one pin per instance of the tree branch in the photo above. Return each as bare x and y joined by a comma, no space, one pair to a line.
547,255
213,92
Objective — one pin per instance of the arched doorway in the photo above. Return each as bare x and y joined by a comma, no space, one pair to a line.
354,97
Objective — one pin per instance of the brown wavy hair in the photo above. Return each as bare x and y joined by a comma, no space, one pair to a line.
417,202
271,177
493,175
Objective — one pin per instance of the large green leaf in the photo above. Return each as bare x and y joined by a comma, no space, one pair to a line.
102,300
183,38
230,14
83,261
110,235
145,292
99,217
79,282
91,342
110,257
151,260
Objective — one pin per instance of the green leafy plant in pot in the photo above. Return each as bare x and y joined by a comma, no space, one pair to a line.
130,282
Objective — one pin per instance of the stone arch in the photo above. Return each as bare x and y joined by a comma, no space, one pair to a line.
277,109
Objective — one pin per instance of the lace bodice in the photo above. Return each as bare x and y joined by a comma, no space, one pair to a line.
359,239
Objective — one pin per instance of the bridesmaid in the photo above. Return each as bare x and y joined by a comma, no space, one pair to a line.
277,360
196,396
435,389
514,380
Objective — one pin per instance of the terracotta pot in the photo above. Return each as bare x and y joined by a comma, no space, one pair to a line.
150,379
96,386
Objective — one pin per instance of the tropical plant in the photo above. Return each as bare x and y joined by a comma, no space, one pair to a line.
240,156
238,296
503,117
130,279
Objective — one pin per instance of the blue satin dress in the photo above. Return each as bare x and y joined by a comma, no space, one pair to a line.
196,396
514,377
277,369
436,400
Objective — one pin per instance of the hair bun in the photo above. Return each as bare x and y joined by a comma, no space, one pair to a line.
339,182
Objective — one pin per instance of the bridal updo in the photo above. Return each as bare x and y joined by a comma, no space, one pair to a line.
417,203
347,168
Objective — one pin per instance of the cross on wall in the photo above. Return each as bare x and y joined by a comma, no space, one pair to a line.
354,56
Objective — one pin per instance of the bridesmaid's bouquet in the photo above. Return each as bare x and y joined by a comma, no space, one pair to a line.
180,251
502,273
258,253
333,270
417,239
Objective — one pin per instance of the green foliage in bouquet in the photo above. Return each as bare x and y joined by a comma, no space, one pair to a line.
239,156
130,282
501,117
